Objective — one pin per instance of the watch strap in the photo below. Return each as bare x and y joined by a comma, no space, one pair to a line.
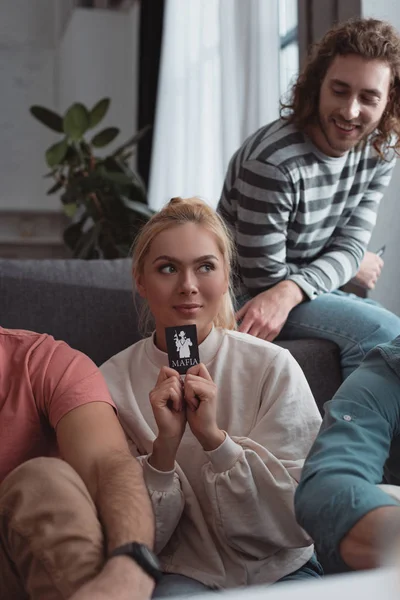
143,556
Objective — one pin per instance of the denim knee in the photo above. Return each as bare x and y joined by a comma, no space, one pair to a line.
387,328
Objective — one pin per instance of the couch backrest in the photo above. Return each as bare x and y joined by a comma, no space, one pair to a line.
88,304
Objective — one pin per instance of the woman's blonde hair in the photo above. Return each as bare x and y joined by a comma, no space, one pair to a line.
179,211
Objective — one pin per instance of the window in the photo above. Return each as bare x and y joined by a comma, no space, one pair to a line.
289,44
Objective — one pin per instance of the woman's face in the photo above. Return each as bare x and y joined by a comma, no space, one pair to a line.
184,279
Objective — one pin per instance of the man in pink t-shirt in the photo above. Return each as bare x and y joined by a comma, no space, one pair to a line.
70,492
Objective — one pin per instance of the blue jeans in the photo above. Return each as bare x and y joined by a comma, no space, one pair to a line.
179,585
312,569
355,324
172,584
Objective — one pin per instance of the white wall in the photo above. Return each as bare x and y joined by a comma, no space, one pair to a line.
27,65
63,13
53,55
387,230
98,57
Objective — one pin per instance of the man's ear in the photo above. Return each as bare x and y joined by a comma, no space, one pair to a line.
140,286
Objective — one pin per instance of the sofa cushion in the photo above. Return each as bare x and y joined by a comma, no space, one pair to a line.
89,304
320,361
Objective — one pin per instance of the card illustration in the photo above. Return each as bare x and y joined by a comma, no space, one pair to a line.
182,346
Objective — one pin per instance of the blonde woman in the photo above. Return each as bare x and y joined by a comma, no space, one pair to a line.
222,447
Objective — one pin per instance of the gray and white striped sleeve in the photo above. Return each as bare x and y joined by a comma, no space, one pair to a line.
263,195
348,244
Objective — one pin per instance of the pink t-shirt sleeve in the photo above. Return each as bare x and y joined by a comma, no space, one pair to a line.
63,379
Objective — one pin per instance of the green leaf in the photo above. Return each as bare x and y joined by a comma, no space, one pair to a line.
74,232
76,121
137,193
85,149
73,192
115,163
50,174
70,210
135,139
137,190
55,188
125,155
115,177
106,136
98,112
138,207
71,157
56,153
89,239
47,117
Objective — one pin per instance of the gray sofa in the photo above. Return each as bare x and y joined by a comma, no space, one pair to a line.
89,304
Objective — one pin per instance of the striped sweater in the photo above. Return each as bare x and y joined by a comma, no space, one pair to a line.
298,214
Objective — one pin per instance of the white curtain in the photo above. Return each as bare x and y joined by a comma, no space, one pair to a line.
219,82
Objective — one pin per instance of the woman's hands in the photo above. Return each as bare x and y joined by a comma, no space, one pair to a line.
166,400
175,402
200,396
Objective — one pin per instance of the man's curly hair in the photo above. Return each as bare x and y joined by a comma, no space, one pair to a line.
369,38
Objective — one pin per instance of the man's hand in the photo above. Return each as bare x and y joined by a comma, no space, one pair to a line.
264,315
369,271
120,579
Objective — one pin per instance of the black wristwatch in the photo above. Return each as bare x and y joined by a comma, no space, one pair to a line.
143,556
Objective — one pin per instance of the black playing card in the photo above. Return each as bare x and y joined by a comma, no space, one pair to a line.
182,346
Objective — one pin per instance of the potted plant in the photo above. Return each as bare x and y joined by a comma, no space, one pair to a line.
103,196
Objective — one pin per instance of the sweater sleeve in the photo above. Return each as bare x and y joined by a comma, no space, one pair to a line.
251,481
346,248
264,199
167,499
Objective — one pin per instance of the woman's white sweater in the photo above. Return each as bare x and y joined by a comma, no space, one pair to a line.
226,517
